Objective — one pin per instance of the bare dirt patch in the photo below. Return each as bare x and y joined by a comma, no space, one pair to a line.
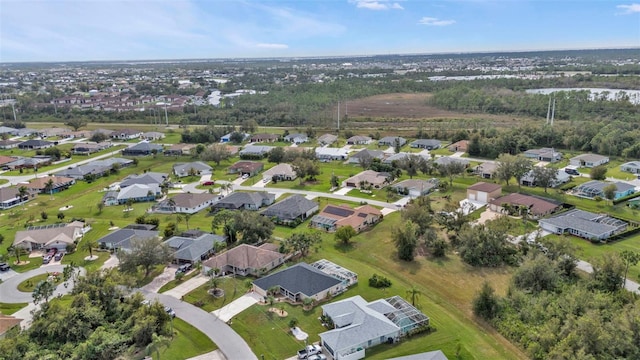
280,313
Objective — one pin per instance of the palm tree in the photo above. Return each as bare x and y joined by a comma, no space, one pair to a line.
88,245
186,219
178,219
22,191
172,204
16,250
157,343
48,187
414,294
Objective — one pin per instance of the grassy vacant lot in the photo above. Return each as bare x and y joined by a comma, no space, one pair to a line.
590,252
447,285
233,289
186,343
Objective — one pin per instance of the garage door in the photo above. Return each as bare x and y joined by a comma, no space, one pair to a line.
482,196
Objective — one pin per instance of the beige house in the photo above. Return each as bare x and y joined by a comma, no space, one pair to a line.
282,172
245,260
483,192
49,237
369,177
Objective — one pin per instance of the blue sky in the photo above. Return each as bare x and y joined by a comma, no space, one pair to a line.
78,30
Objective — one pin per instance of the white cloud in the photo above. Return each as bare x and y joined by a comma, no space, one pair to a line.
272,46
431,21
629,9
376,4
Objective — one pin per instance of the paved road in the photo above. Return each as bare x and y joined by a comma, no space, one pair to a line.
229,342
10,294
13,180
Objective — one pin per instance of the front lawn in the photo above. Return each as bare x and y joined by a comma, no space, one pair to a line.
78,259
187,342
10,309
233,289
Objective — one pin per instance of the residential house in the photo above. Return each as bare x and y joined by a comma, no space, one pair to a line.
189,250
245,201
34,162
359,325
152,135
180,149
192,168
266,138
428,144
543,154
88,148
296,138
186,203
125,134
536,206
631,167
562,177
34,144
446,160
7,130
330,153
8,322
4,160
333,217
359,140
415,187
366,155
280,172
347,276
143,149
25,132
56,236
459,146
245,260
327,139
250,168
292,210
50,184
390,159
486,170
583,224
121,239
148,178
255,151
367,178
105,132
95,168
9,144
299,282
51,132
10,197
392,141
594,188
483,192
588,160
138,193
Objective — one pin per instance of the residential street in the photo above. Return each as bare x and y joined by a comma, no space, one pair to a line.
229,342
10,294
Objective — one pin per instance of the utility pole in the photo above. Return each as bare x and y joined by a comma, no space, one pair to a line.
549,110
553,111
338,115
165,113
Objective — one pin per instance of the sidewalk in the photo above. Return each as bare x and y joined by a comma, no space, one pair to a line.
179,291
237,306
214,355
25,315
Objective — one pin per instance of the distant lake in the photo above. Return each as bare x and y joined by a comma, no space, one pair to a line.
611,94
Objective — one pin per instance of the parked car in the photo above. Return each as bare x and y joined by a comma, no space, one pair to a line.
4,267
245,176
58,256
170,311
309,351
46,259
183,268
318,357
208,183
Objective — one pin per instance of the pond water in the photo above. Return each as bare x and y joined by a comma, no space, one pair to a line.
596,93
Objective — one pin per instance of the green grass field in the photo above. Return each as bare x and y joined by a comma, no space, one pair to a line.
10,309
173,283
233,289
29,284
186,343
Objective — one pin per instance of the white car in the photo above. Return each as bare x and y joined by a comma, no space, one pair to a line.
245,176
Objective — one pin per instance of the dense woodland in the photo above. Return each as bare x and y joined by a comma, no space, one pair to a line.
101,322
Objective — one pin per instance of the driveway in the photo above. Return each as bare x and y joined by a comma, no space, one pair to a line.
179,291
229,342
237,306
9,289
343,191
159,281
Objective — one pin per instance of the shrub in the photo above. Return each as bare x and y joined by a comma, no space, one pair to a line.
378,282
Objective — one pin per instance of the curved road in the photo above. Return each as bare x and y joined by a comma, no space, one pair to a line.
9,289
230,343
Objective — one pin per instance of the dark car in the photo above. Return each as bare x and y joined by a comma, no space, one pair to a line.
184,268
58,256
208,183
4,267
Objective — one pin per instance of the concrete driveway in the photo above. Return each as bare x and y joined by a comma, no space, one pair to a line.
237,306
230,343
9,289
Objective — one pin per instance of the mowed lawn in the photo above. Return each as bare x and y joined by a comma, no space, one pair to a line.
186,343
447,285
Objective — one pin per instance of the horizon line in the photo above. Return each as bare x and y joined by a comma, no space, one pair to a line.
292,57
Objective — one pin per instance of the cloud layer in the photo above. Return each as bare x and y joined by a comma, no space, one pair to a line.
431,21
377,5
629,9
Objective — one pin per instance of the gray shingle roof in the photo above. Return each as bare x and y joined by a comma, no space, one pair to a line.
122,238
290,208
193,249
301,278
583,221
